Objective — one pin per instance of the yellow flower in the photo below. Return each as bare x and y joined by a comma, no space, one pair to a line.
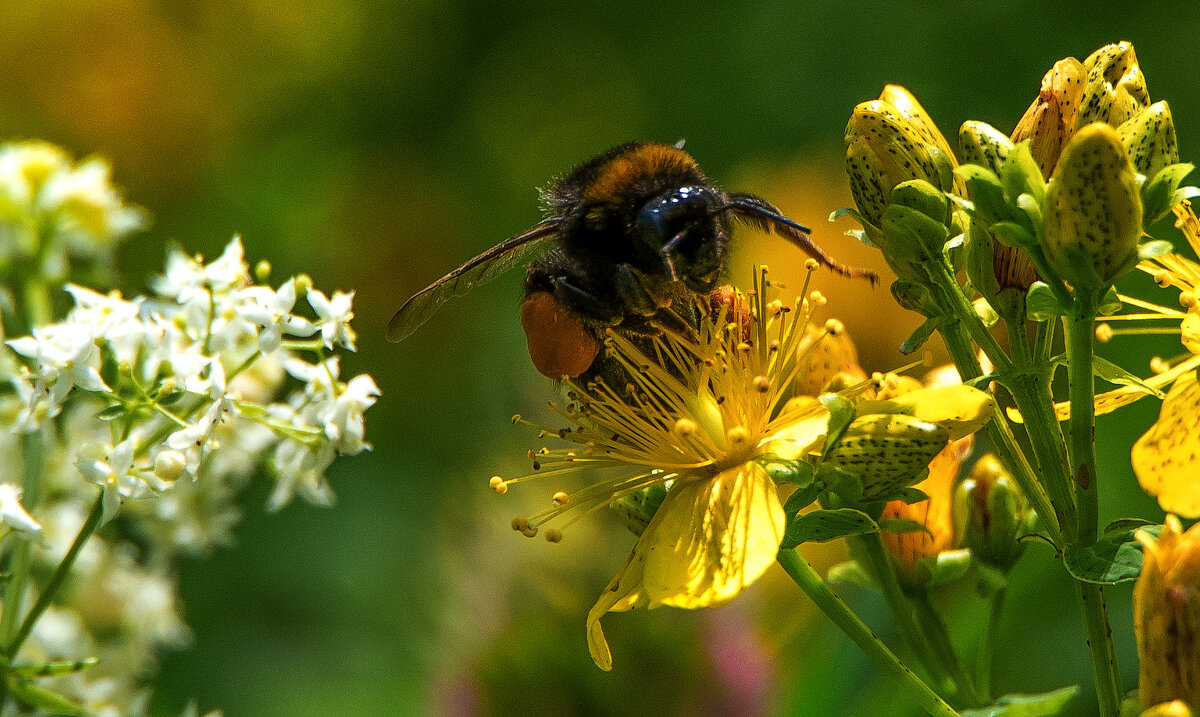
1166,610
695,415
1174,708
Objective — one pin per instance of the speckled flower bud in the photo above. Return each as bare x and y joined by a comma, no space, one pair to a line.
1166,613
1114,89
983,144
1050,121
887,145
1093,210
1149,137
888,452
909,549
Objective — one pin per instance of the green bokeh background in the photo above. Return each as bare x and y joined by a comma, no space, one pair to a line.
376,145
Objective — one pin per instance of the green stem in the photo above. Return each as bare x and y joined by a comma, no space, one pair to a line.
1082,430
1030,390
34,462
869,549
1100,647
935,628
56,580
1004,443
987,648
813,586
1082,424
964,315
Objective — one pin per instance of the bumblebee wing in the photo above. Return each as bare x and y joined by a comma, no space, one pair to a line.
478,271
760,213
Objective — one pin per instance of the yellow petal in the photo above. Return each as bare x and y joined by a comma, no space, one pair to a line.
800,437
712,538
1167,458
622,593
960,408
708,540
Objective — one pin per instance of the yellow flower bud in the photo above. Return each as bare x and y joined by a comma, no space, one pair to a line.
1050,121
1093,208
1114,89
887,145
887,451
1166,614
1149,137
983,144
824,356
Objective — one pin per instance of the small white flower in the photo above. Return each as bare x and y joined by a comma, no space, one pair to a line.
65,356
113,469
333,316
13,514
90,211
343,418
271,311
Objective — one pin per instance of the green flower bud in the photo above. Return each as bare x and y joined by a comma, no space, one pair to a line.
1114,88
1050,121
888,452
1149,137
990,513
984,145
1093,210
1166,615
887,145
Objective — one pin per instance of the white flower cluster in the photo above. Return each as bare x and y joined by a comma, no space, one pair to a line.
174,372
154,411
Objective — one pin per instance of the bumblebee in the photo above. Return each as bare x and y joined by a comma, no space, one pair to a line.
630,233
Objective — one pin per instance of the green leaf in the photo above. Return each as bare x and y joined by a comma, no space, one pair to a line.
841,415
846,486
912,495
1115,558
987,195
1021,174
899,526
918,338
1122,524
783,470
1113,373
1013,234
1041,304
824,525
37,696
801,498
851,212
1110,303
49,669
911,235
1160,192
1046,704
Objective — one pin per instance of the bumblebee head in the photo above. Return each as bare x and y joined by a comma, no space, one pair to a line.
685,230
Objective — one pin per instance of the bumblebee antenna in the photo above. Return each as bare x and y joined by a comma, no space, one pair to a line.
765,216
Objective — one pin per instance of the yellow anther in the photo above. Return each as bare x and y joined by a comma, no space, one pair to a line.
497,484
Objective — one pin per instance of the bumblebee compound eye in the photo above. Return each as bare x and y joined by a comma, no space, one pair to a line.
559,344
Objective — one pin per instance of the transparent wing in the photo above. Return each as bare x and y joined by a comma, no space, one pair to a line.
487,266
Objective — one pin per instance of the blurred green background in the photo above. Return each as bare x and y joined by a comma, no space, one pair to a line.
375,145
